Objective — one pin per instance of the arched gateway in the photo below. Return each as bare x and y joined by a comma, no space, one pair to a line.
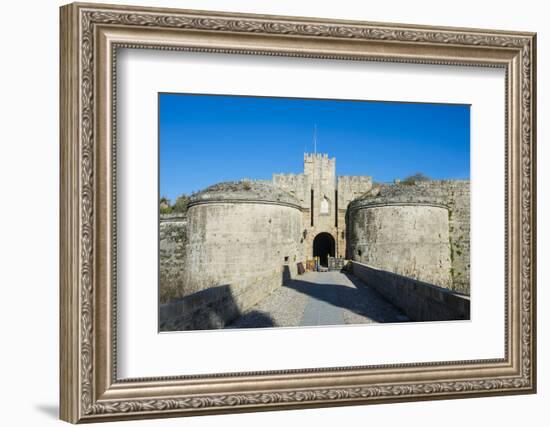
323,247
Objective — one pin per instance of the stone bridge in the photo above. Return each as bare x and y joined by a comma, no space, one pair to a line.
359,295
312,299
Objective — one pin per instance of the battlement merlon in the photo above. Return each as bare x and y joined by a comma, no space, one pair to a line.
310,157
319,164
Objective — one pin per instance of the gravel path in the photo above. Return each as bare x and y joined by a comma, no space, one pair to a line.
330,298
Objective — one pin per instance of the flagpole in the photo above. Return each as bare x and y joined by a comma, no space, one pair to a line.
315,138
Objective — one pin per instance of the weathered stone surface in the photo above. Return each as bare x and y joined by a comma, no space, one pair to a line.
315,299
420,301
412,240
351,188
236,253
324,198
453,194
245,190
238,240
172,241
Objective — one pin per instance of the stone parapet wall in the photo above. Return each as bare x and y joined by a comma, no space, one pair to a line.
295,184
352,187
236,254
420,301
172,242
231,247
243,191
412,240
216,306
454,195
177,216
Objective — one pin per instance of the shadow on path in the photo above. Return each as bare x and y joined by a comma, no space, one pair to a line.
211,308
252,319
359,298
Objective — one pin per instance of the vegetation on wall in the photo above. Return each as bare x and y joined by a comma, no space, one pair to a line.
179,206
413,179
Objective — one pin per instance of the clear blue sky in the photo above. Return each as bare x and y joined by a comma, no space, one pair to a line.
205,139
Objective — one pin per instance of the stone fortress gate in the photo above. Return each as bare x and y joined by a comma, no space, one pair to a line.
324,198
240,241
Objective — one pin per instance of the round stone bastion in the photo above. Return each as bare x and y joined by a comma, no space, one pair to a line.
403,230
242,238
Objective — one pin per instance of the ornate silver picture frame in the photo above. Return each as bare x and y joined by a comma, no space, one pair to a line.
91,37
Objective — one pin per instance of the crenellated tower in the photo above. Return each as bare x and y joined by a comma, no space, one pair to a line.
324,198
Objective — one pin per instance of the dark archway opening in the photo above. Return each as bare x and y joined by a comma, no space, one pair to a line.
323,247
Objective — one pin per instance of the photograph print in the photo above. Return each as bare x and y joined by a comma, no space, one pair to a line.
291,212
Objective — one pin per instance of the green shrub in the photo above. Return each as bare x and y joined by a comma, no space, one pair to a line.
413,179
180,206
165,209
164,205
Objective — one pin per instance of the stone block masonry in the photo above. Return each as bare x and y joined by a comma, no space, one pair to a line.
237,241
240,238
324,198
420,301
172,252
351,188
453,195
412,240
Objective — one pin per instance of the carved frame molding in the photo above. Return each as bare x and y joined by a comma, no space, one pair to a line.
90,36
